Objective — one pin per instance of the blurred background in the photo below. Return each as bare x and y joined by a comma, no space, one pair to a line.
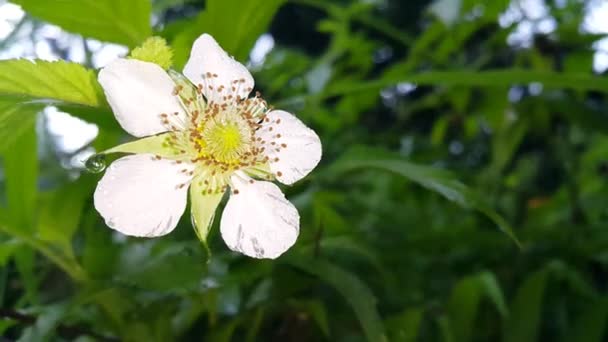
461,196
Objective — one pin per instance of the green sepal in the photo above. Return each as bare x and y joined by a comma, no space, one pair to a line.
156,144
260,171
202,209
188,92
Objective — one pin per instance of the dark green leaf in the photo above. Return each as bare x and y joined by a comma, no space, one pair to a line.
248,20
526,309
356,293
435,179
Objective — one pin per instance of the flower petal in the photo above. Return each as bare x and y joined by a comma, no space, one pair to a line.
142,196
139,92
294,149
211,67
259,221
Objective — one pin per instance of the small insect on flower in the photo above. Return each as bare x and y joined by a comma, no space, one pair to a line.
202,133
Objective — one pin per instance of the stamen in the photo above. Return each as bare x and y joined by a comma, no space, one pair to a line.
219,131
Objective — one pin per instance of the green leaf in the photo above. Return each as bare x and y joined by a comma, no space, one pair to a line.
21,172
61,211
118,21
356,293
15,120
203,207
7,249
25,260
437,180
524,319
492,290
46,323
490,78
462,308
591,325
143,264
405,327
317,310
465,300
248,20
60,80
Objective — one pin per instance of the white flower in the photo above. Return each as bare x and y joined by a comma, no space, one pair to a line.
203,133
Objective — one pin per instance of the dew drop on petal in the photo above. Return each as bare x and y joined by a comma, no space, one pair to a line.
96,163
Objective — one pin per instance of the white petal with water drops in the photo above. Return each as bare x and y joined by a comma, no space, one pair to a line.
142,196
259,221
139,92
294,149
208,58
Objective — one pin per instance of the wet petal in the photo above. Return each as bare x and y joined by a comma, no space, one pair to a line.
259,221
139,94
140,195
294,149
219,74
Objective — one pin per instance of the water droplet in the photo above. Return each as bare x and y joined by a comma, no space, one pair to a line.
96,163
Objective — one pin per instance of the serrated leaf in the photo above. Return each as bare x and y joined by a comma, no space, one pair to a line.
61,81
356,293
438,180
118,21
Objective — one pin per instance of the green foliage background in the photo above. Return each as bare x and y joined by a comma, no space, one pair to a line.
461,196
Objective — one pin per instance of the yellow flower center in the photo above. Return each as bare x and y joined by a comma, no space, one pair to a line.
218,137
225,142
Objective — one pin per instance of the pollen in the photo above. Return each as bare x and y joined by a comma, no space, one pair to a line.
226,141
219,133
